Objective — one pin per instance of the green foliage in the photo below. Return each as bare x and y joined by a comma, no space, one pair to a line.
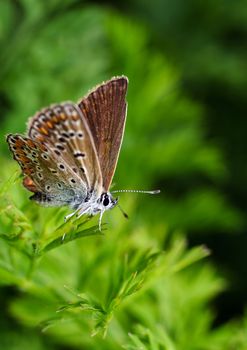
137,284
107,286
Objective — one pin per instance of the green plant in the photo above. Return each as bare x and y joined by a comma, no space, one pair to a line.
138,284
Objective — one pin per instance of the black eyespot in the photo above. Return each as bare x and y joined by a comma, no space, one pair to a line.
61,166
40,176
57,152
44,156
65,135
60,147
106,201
83,170
48,188
59,185
80,135
11,139
71,134
73,181
78,155
61,139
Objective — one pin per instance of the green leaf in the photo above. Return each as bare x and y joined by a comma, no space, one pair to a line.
70,233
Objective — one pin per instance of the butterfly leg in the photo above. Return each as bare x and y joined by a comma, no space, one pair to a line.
67,217
100,219
83,211
88,211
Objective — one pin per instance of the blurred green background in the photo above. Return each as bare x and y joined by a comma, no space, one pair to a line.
149,282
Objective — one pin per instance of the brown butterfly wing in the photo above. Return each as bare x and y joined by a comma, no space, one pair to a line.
58,159
63,129
43,175
105,112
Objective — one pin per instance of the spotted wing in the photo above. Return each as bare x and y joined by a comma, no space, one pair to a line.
45,174
105,112
63,130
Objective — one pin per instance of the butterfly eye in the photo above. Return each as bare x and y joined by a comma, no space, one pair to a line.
106,201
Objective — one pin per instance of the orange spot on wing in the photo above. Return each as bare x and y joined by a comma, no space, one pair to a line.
19,143
28,171
50,125
40,138
55,119
30,143
43,147
75,116
62,116
44,131
23,159
29,184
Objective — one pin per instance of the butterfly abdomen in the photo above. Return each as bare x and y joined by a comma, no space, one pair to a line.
45,200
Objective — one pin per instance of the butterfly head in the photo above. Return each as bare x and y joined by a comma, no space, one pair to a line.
106,201
103,203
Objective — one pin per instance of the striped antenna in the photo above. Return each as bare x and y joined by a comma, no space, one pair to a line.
137,191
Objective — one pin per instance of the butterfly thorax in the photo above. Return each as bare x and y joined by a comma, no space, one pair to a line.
94,204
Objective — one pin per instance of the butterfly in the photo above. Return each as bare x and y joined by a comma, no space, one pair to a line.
71,150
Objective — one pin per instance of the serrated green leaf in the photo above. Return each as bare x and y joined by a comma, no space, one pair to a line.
69,237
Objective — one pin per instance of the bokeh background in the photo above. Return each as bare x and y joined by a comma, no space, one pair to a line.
149,282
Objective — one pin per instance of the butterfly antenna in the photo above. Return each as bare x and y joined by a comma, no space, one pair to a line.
137,191
122,211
